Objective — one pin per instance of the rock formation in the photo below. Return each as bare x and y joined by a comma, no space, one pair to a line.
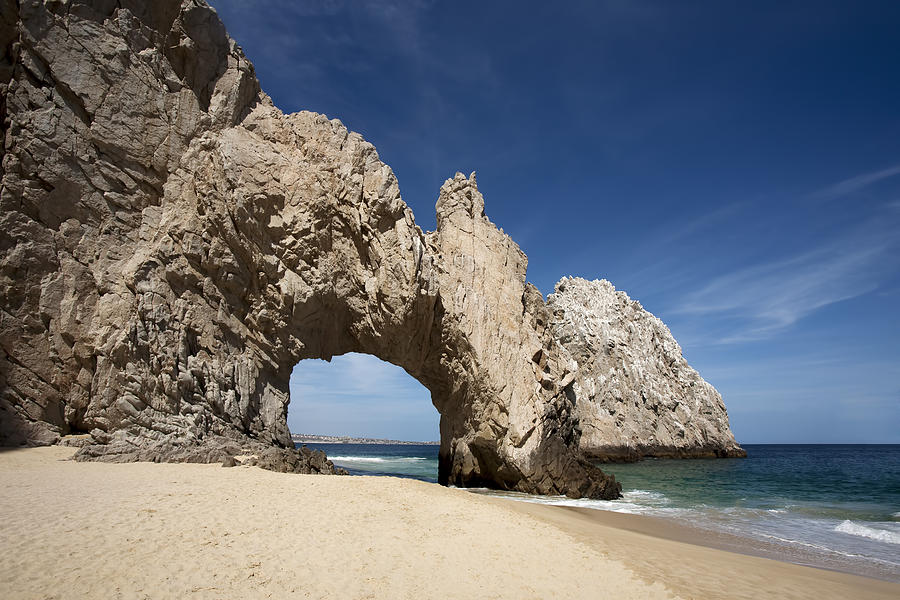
171,245
635,395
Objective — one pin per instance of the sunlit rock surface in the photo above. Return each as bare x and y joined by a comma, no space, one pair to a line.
635,395
171,245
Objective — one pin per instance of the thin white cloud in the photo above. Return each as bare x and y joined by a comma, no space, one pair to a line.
695,224
656,264
763,300
854,184
354,376
360,395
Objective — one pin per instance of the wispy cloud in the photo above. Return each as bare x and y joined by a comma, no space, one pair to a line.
762,300
693,225
829,394
855,184
663,261
353,375
360,395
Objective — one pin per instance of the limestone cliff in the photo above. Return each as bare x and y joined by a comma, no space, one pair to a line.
171,245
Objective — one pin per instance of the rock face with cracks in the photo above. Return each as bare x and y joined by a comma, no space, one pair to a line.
635,394
171,245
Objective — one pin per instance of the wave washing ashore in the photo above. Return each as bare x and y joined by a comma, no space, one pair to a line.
834,507
415,461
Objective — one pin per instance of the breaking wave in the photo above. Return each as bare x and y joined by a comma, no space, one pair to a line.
376,459
880,535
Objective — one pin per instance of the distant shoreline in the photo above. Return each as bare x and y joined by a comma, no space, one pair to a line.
303,438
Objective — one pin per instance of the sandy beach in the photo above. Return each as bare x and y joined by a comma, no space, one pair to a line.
143,530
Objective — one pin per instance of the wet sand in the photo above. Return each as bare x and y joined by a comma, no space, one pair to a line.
698,564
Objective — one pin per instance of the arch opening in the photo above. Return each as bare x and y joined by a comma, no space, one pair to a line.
370,417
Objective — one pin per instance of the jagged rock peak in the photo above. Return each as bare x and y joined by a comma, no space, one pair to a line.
635,394
460,194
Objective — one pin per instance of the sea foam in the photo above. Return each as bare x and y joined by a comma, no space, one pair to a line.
645,496
881,535
376,459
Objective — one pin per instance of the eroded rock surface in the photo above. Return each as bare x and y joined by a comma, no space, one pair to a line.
635,395
172,245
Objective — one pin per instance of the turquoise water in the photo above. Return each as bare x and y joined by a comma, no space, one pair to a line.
830,506
833,506
826,481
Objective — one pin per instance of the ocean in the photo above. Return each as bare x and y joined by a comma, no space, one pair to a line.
414,461
829,506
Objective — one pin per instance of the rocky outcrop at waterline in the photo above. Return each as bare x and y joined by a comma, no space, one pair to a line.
173,244
635,395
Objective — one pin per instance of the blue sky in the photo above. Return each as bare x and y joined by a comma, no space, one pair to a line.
733,166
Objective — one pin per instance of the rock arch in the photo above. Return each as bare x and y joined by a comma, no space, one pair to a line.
173,244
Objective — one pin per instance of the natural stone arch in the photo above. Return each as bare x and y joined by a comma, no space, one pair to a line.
173,244
332,276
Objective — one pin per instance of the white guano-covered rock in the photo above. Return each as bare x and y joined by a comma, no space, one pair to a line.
635,395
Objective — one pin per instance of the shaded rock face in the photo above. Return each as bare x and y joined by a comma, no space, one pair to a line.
634,393
171,245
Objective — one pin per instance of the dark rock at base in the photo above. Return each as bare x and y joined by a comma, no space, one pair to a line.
76,440
625,454
216,449
296,460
